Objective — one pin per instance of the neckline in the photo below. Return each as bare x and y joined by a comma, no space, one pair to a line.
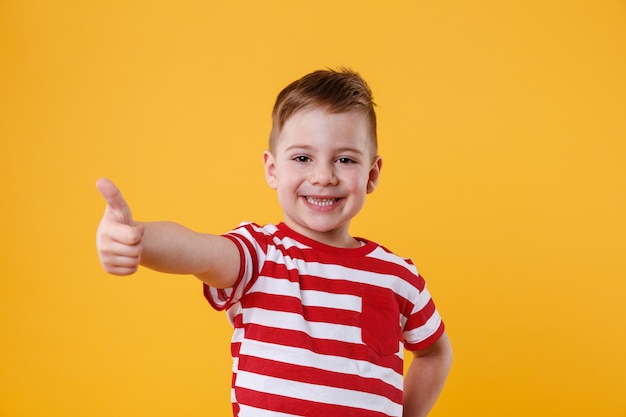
366,247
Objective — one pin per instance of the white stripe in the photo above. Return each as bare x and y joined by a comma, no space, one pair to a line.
304,357
294,321
422,300
322,394
311,298
274,286
288,243
338,272
425,331
336,301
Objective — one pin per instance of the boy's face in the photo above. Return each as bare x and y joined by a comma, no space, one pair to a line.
322,167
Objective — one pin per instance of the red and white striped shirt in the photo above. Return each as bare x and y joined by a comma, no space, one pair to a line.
319,330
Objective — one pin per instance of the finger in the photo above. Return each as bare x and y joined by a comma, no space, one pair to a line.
120,259
120,270
121,233
119,264
110,249
114,199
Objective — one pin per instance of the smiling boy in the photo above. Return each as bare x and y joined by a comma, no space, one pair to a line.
321,319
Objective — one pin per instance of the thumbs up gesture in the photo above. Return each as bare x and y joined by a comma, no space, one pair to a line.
118,239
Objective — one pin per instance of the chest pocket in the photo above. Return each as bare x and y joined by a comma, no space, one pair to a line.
380,323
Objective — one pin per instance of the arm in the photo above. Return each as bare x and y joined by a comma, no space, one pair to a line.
123,245
426,376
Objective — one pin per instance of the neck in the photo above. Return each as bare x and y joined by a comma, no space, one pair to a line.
339,238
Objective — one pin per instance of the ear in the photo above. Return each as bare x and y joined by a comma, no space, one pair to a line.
374,174
270,170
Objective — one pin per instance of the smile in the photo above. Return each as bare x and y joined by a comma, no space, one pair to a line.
321,202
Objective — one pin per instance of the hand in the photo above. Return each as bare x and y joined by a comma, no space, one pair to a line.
118,239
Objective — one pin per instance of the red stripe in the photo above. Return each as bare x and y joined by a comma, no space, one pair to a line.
273,270
362,263
419,318
299,407
286,304
338,285
310,375
298,339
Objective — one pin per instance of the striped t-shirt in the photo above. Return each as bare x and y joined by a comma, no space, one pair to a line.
319,330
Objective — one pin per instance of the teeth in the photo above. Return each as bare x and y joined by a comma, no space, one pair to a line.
321,202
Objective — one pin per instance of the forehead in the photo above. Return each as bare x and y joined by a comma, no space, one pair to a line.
318,126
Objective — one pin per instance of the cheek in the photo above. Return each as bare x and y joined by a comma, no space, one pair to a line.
288,183
359,182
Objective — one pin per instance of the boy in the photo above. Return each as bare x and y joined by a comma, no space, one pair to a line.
320,318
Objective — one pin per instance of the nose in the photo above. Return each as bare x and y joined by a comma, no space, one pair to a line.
323,174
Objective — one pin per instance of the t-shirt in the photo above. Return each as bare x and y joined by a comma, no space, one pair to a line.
320,330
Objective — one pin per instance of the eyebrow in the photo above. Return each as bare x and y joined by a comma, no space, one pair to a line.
309,147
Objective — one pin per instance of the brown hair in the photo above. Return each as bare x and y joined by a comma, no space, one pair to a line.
338,91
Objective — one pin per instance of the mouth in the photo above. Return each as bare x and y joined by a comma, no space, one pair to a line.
321,202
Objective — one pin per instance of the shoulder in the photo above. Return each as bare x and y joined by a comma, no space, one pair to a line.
268,238
383,254
253,232
400,271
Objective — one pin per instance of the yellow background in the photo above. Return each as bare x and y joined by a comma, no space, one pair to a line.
503,133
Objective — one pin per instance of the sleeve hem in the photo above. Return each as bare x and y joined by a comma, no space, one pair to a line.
210,293
430,340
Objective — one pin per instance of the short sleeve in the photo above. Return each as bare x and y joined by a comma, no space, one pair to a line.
251,243
424,325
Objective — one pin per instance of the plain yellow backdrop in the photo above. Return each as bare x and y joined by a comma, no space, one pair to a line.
503,131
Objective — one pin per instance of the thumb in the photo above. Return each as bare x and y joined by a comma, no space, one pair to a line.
115,202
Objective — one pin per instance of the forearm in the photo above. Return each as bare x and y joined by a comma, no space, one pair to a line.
425,379
172,248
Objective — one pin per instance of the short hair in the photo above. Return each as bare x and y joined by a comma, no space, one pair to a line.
337,91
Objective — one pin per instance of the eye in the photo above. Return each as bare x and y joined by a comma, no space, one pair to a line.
302,158
345,160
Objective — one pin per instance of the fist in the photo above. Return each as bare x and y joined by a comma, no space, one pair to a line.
118,239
